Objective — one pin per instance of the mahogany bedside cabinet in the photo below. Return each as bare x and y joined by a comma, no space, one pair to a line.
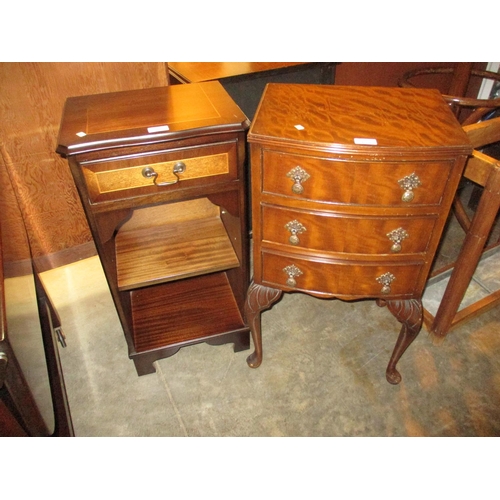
351,189
160,176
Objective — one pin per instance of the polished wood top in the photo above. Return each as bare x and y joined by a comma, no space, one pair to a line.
190,72
148,115
344,119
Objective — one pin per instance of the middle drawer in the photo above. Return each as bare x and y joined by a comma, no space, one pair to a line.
332,232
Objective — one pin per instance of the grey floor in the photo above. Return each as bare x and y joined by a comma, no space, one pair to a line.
323,373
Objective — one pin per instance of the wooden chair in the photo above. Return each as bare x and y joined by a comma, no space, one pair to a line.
483,170
467,109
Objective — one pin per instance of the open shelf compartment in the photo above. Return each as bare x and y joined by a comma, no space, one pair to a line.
171,242
184,312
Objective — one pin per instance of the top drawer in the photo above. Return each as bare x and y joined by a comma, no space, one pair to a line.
110,179
347,182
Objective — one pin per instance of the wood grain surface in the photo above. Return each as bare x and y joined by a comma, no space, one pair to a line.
172,251
162,315
32,97
334,116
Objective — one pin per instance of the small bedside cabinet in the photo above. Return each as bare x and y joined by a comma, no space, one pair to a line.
351,189
160,175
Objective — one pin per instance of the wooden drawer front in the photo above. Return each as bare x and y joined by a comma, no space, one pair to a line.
120,178
338,278
334,233
347,182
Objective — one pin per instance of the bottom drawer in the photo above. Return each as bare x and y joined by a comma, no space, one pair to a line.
340,279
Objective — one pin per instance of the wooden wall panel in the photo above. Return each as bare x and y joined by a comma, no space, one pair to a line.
32,97
15,247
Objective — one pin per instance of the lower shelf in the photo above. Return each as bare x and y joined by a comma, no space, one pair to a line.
184,312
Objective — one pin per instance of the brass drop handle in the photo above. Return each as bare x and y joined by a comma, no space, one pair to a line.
149,172
409,183
295,228
293,272
397,236
385,280
298,176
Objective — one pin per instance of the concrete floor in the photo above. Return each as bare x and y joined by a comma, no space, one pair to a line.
323,373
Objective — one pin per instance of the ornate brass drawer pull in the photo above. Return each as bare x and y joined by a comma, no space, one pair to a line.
397,236
295,227
385,280
409,183
293,272
149,173
298,175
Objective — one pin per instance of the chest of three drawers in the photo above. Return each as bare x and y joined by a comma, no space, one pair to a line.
351,189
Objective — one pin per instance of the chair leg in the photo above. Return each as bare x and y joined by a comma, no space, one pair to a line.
461,77
468,259
461,214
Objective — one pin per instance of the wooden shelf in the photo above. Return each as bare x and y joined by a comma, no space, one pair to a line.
183,311
176,250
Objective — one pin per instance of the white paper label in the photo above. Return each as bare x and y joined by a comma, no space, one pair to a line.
160,128
365,141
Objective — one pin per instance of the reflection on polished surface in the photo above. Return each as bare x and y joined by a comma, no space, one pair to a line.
26,340
32,394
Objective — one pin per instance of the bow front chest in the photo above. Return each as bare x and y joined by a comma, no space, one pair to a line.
351,189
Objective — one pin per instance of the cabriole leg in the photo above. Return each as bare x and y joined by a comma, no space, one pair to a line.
259,298
409,313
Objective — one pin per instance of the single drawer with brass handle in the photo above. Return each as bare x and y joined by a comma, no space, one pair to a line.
118,178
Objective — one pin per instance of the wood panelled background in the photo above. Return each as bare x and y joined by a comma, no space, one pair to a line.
33,177
35,183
